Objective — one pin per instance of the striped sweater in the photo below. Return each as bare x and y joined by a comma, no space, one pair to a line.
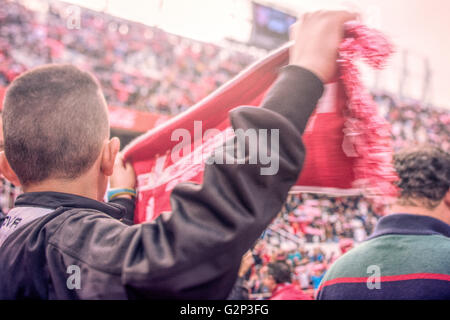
407,257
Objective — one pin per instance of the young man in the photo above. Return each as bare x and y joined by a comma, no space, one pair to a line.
62,242
408,255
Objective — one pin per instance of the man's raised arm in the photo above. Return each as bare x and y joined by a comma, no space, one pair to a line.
195,251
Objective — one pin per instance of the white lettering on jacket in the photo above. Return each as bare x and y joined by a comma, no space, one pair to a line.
19,217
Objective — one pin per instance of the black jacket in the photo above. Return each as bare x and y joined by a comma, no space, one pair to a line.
194,252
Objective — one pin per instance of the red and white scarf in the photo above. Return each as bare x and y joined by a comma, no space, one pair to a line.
348,143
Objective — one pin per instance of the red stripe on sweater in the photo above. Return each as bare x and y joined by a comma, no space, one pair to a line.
402,277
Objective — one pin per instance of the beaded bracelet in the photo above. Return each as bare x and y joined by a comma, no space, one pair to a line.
114,193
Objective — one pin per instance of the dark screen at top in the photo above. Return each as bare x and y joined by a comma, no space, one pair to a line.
272,21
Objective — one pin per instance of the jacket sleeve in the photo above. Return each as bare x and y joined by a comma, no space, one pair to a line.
194,252
128,206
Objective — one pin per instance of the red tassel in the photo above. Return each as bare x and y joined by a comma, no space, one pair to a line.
368,132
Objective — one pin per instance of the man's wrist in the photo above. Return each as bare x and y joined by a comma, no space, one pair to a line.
311,67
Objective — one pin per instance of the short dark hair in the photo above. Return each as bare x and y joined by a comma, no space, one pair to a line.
424,174
280,271
55,120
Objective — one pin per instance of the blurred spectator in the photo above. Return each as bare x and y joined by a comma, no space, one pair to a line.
279,281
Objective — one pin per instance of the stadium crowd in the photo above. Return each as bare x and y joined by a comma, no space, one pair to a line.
309,234
326,219
414,122
307,266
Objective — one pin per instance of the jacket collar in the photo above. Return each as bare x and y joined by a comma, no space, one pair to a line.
402,223
55,200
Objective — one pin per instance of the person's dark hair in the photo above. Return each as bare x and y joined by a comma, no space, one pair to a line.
424,175
280,271
54,122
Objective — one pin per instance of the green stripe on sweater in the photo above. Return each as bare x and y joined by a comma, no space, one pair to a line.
394,255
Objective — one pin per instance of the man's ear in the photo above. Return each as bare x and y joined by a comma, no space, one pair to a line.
7,171
110,150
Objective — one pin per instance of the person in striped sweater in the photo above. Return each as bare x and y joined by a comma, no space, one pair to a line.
408,255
